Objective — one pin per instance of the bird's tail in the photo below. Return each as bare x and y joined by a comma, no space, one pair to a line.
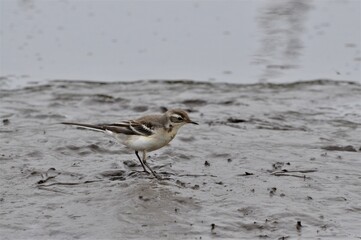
111,129
98,128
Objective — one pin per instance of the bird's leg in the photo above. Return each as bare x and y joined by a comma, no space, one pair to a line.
146,164
141,162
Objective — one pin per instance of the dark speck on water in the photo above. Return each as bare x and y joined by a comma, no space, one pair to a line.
236,120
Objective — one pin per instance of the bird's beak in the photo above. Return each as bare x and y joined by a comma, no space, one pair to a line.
193,122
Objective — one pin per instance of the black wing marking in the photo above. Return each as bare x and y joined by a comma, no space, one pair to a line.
135,128
126,127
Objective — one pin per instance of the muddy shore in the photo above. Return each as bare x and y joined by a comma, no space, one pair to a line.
270,161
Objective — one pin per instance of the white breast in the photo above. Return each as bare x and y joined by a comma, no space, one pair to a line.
151,143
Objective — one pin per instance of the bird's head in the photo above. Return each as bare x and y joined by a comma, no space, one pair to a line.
178,117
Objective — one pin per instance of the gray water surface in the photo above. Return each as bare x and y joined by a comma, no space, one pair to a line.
217,41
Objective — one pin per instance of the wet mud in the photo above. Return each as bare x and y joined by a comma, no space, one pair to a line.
269,161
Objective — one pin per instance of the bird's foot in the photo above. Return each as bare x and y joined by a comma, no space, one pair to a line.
138,173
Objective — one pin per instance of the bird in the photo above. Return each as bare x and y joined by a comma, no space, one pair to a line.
145,134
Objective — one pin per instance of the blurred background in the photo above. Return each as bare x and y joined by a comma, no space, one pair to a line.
242,41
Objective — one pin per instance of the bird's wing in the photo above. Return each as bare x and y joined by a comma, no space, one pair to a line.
134,127
126,127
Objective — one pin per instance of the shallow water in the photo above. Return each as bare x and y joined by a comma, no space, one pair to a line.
219,41
60,182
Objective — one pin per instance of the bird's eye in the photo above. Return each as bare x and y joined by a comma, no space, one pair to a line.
176,119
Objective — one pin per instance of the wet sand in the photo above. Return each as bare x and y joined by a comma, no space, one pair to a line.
267,161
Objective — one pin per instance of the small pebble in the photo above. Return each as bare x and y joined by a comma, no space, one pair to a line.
181,183
207,164
272,191
213,226
6,121
195,187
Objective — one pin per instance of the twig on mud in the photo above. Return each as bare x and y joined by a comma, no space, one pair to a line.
284,171
290,175
196,175
70,183
42,181
52,189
